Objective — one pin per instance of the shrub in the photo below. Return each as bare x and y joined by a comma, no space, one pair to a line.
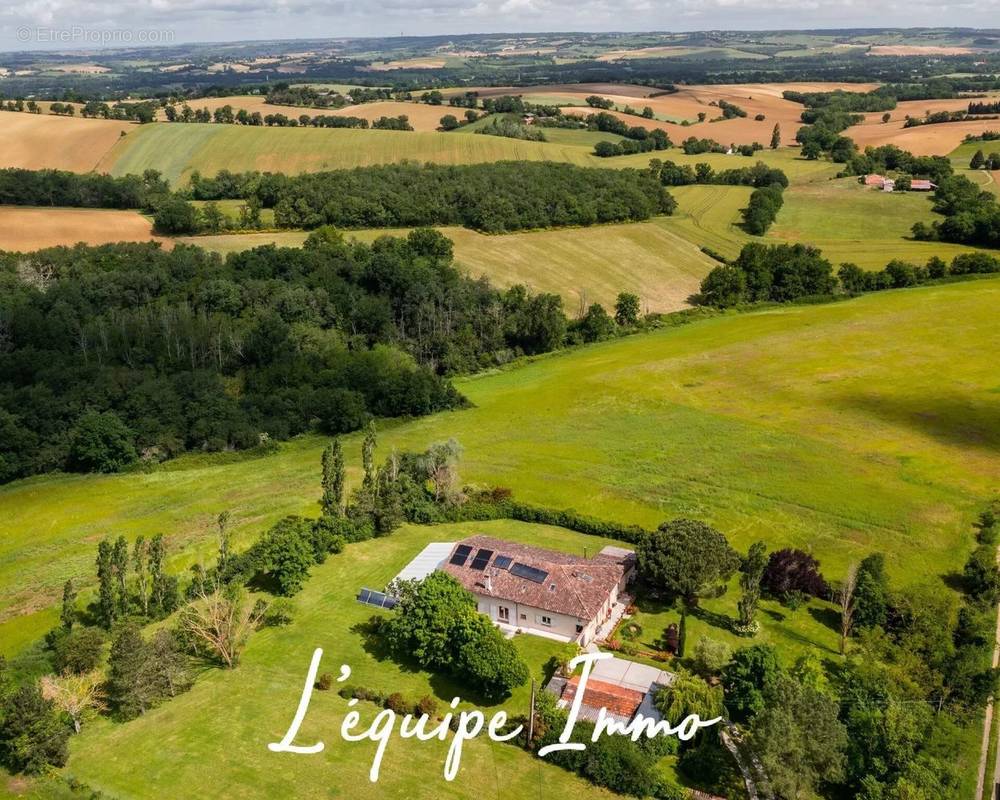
77,651
631,631
396,702
711,655
791,570
324,682
427,705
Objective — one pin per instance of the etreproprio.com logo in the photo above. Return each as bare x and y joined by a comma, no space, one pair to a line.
79,34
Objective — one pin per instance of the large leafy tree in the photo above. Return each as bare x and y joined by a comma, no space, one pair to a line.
437,624
799,739
101,442
429,617
687,695
748,679
686,558
489,661
871,593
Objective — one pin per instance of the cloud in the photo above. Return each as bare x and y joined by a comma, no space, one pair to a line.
227,20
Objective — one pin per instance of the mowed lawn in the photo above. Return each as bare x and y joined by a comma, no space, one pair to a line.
228,718
869,424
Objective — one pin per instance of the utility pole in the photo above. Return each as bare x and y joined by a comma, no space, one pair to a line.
531,717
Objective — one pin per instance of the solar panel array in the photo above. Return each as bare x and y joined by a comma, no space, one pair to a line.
481,560
378,599
461,554
530,573
503,562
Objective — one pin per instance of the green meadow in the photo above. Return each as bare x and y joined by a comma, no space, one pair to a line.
227,719
176,150
868,424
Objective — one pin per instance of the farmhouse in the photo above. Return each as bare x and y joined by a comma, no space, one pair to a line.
544,592
922,185
874,180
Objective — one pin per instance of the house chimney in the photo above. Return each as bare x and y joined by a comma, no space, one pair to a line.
489,582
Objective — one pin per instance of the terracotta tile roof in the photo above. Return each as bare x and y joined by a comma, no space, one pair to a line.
574,585
616,699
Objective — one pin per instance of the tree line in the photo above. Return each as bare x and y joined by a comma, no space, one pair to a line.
972,216
787,273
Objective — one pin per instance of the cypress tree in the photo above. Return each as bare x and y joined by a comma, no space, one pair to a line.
225,542
333,479
67,615
106,584
131,680
155,555
776,137
750,577
119,569
368,457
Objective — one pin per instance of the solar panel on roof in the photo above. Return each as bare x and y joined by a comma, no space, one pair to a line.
503,562
461,554
482,559
529,573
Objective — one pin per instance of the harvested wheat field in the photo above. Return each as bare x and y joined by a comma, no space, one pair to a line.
690,101
25,229
917,50
42,141
422,117
923,140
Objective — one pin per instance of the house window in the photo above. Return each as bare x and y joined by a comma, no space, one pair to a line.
504,613
524,616
546,621
579,628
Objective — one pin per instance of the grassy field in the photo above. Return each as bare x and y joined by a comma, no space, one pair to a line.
227,719
253,705
861,425
177,150
850,222
961,156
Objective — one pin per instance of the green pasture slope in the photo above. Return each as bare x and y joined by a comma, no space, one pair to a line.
177,149
862,425
228,718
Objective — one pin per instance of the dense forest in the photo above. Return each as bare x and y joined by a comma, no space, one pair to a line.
502,196
112,353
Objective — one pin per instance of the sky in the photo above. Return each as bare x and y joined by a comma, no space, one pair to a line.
81,24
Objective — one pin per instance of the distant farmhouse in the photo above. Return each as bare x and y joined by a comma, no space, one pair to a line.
889,185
